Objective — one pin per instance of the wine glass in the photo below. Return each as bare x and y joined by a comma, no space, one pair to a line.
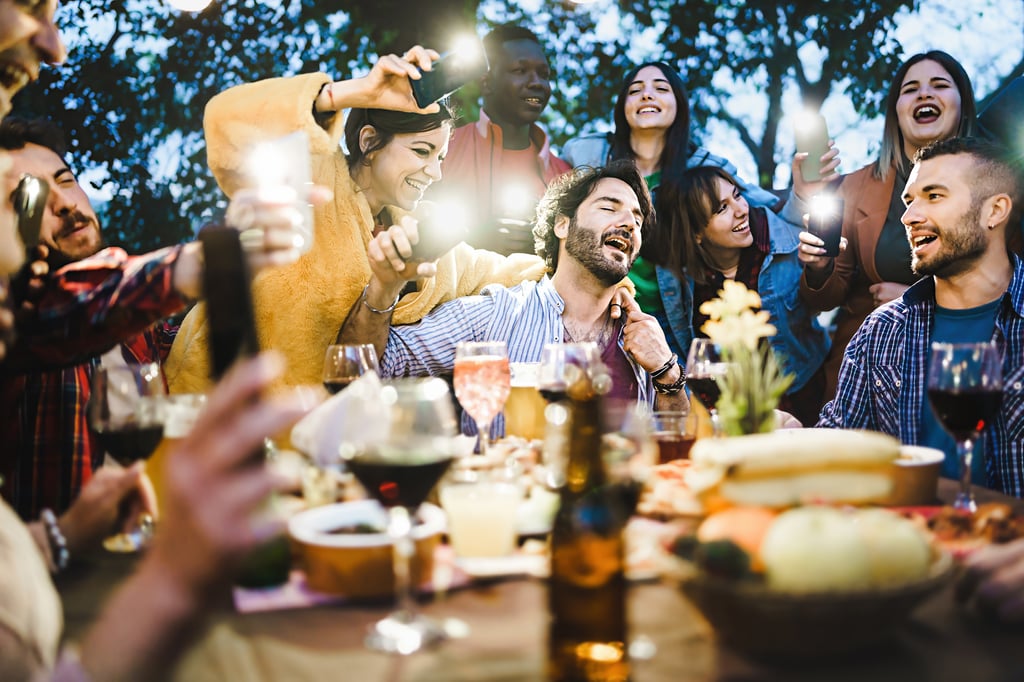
126,412
704,368
345,363
563,364
965,389
482,383
399,471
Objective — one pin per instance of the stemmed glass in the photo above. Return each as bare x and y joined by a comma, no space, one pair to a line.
482,383
563,364
704,368
965,389
343,364
126,412
399,471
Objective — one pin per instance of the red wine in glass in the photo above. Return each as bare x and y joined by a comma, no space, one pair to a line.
965,414
334,386
398,482
706,389
129,442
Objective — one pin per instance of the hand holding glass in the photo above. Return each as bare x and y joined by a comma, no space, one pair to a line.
965,389
126,413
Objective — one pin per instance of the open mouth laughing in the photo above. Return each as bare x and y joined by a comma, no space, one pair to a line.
13,77
620,242
919,241
927,113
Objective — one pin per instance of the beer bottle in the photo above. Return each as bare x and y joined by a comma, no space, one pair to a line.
587,588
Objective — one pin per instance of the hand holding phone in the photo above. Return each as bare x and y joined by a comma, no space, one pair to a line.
451,72
812,138
826,222
441,226
29,204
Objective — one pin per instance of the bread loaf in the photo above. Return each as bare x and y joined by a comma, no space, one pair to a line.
798,466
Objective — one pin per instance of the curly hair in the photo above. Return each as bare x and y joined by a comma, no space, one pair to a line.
564,196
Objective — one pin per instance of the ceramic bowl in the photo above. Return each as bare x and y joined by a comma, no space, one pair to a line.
358,564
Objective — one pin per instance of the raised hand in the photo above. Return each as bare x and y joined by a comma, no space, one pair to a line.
803,189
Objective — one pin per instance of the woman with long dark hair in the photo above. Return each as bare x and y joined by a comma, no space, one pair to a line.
930,98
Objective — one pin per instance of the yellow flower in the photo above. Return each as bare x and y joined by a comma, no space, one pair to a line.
733,299
745,329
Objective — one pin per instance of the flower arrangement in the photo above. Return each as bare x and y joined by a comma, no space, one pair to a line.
754,380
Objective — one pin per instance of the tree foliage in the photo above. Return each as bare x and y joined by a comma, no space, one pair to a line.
818,46
132,95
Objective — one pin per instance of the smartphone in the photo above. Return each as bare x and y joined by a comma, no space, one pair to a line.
227,288
29,204
441,226
449,73
811,137
826,222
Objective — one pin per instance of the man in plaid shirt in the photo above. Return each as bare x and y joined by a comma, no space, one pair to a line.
89,306
960,199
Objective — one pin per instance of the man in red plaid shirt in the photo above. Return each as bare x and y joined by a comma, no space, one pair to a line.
89,306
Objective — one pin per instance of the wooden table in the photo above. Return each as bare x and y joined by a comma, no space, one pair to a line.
508,620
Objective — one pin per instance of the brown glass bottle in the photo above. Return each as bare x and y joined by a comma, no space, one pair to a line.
587,588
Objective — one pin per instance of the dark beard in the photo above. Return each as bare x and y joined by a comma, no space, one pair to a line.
586,248
961,247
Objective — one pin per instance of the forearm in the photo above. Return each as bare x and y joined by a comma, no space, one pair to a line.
122,646
671,402
369,320
240,117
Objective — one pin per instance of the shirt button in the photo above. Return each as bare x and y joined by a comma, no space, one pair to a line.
897,383
878,382
1016,385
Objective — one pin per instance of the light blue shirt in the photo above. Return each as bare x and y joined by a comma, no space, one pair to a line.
525,317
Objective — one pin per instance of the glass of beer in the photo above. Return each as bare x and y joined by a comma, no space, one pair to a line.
181,410
674,433
524,409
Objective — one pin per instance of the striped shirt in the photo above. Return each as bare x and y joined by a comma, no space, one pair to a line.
525,317
882,378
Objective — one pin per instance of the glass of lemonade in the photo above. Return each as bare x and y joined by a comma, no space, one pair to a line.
482,513
180,413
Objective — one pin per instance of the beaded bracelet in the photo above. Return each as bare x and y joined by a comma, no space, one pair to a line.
58,545
385,311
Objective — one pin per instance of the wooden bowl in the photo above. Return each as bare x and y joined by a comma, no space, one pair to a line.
761,622
358,565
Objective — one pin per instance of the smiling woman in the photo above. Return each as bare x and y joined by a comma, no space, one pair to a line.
930,98
394,155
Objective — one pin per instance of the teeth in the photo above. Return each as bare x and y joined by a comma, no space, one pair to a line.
620,244
418,185
13,76
926,239
533,100
741,228
926,110
647,110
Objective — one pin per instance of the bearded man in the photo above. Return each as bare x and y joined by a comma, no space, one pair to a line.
588,231
960,196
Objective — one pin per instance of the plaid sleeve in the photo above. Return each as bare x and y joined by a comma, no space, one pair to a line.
93,304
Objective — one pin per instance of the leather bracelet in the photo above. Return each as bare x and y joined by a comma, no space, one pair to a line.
674,387
58,544
379,311
666,367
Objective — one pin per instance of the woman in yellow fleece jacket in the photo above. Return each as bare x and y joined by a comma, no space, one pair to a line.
392,158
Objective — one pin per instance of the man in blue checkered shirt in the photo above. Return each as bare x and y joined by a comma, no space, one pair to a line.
961,196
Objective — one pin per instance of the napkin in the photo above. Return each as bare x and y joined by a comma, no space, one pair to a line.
352,418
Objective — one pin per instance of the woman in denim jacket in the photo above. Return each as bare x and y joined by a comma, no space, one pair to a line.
713,235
